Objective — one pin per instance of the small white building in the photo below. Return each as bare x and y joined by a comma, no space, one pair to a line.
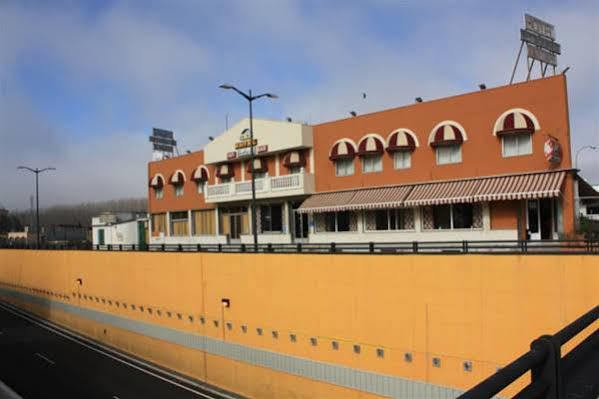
124,228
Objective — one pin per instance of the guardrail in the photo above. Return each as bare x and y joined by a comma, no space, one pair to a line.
414,247
576,375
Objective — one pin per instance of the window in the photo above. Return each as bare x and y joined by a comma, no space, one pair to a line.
259,175
204,222
179,225
344,167
514,145
224,180
159,193
271,218
372,163
295,169
202,186
402,159
456,216
159,223
338,221
179,190
449,154
390,219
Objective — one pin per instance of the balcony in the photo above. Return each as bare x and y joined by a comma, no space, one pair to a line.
268,187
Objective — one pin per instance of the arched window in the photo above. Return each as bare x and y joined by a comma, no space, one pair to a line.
370,151
201,175
178,181
447,138
294,161
401,143
343,153
515,128
224,172
157,184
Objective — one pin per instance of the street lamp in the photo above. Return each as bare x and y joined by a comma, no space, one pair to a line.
250,99
590,147
37,197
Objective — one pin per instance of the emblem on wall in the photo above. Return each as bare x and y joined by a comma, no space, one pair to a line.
553,151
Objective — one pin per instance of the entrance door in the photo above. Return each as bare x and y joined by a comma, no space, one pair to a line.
539,219
235,223
300,224
141,233
101,236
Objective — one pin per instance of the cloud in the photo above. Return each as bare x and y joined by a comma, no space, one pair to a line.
81,87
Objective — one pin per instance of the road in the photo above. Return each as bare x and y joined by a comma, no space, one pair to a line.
40,360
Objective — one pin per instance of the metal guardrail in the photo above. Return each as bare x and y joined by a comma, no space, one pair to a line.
576,375
414,247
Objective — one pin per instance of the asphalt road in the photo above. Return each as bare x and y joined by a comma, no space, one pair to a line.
38,360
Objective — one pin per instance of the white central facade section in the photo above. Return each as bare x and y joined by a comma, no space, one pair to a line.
272,141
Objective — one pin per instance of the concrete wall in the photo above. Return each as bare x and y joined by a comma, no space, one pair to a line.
484,309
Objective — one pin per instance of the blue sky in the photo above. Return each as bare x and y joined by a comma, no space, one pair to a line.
82,83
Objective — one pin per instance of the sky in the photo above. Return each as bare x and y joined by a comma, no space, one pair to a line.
82,83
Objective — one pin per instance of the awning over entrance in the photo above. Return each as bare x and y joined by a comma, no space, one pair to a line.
491,188
528,186
437,193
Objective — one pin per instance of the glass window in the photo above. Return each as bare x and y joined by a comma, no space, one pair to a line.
295,169
260,175
463,216
159,192
343,221
402,159
372,163
330,221
224,180
202,187
344,167
271,218
449,154
381,220
179,190
514,145
442,217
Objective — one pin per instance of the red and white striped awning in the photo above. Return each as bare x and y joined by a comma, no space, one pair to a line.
401,140
178,177
525,186
447,134
201,173
294,158
224,170
260,165
326,202
438,193
157,181
370,145
342,150
515,122
493,188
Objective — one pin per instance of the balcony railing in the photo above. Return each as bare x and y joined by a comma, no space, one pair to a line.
270,186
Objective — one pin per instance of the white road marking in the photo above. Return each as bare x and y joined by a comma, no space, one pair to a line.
115,397
45,358
9,308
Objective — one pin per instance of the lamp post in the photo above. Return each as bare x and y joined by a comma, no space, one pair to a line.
248,96
590,147
37,197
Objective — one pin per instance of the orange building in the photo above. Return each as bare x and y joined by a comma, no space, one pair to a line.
489,165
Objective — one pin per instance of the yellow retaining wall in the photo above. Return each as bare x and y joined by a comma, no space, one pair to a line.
485,309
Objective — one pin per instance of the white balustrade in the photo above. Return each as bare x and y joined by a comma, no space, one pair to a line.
267,187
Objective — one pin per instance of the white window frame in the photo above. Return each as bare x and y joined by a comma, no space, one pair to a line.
457,159
406,160
159,192
179,190
526,151
375,161
348,167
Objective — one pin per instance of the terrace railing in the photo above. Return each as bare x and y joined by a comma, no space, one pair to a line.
575,375
380,248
